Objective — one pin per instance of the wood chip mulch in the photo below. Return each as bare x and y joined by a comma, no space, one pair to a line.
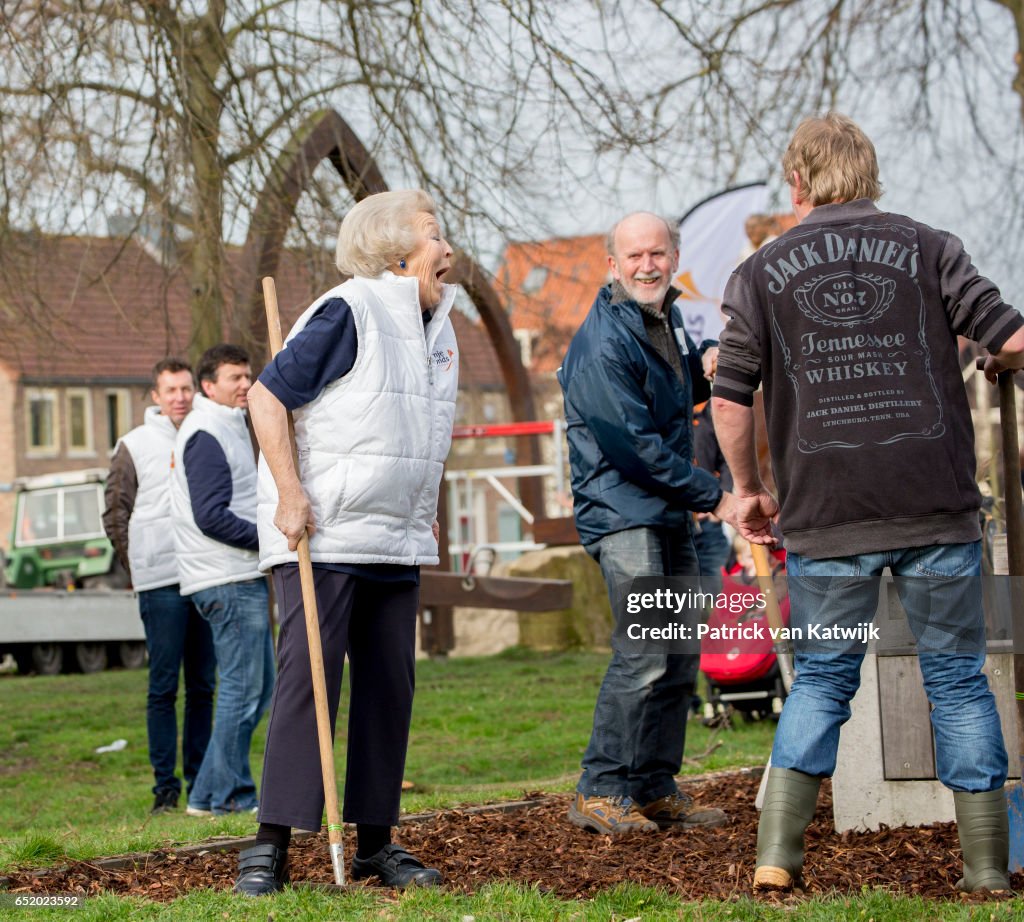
536,845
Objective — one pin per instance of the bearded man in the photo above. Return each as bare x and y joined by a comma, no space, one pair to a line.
630,379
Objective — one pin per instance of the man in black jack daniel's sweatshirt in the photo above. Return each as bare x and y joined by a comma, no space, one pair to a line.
849,321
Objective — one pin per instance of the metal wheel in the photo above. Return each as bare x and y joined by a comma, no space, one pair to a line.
91,657
47,658
131,653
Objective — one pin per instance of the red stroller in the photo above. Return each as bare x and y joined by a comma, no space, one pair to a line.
737,652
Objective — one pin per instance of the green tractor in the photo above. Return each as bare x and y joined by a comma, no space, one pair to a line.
57,542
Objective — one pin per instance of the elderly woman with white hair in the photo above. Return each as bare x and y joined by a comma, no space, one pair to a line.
369,372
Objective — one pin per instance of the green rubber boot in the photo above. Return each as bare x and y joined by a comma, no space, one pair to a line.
789,801
984,828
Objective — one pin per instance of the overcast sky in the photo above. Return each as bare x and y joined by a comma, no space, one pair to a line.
942,173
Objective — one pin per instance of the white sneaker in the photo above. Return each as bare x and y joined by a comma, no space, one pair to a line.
197,811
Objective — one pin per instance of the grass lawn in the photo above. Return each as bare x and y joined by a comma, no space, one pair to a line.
483,730
504,902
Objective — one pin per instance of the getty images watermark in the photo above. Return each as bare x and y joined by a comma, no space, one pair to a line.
675,615
737,603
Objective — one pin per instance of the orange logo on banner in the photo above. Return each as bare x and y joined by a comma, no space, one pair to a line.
688,287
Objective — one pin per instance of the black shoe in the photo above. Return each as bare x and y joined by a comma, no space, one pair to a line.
166,799
262,870
396,868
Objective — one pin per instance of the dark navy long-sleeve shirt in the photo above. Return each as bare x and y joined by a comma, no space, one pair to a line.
210,487
323,351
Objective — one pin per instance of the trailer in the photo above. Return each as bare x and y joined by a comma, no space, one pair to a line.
64,598
49,631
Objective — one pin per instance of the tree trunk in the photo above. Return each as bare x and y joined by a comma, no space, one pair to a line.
202,61
206,299
1016,8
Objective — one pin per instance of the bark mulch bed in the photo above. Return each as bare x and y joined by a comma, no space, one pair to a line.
536,845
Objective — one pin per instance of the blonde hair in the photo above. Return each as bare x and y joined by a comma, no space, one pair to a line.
834,159
378,232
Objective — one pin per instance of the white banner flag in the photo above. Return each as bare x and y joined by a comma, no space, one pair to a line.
712,241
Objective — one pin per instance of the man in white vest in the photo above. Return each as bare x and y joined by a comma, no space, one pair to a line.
138,505
213,497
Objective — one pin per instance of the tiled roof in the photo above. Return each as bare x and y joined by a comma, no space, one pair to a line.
87,308
478,361
549,286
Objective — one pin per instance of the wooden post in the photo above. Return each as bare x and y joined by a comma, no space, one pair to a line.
437,622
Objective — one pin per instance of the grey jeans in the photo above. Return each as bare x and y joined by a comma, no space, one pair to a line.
636,746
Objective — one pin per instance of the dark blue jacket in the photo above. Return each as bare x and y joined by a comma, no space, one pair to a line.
629,425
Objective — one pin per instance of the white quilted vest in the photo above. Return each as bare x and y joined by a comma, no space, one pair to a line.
203,562
150,535
372,445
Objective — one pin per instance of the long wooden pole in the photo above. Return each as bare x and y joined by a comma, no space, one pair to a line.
763,566
1012,508
1015,555
1014,532
316,654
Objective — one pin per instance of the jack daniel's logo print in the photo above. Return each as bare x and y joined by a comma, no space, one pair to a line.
856,354
835,248
844,299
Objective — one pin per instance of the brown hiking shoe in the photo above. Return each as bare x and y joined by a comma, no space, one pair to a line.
674,810
609,816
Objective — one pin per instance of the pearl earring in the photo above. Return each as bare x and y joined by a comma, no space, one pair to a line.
401,264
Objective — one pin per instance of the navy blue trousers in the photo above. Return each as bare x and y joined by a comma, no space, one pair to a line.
374,624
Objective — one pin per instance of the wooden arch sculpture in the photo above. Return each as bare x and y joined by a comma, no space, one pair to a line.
326,135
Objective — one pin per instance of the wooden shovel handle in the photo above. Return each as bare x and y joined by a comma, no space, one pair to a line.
316,655
763,566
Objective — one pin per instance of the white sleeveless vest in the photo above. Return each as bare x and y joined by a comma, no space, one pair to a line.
203,562
150,534
372,445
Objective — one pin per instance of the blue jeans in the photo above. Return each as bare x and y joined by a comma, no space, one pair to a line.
237,615
176,635
636,746
939,587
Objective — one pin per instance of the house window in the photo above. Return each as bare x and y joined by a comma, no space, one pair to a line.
79,421
535,280
525,340
41,421
119,416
